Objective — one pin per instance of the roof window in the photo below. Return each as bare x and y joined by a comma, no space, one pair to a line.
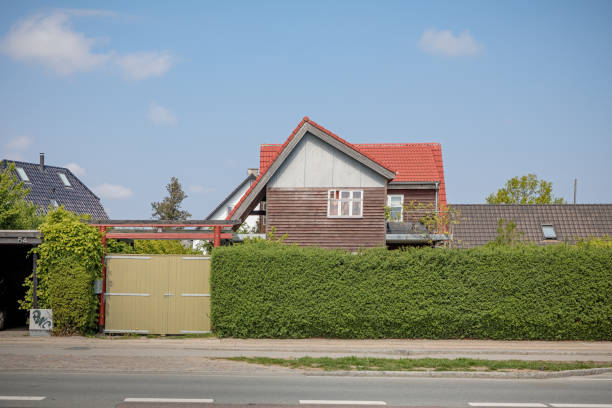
54,203
64,179
22,174
549,231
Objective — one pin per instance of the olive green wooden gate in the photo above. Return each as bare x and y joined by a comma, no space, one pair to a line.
157,294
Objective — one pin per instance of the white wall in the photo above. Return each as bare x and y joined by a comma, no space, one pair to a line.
223,212
314,163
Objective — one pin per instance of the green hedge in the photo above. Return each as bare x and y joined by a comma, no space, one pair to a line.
70,259
524,292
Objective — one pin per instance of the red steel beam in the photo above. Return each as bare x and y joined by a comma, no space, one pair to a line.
102,302
217,236
162,225
167,235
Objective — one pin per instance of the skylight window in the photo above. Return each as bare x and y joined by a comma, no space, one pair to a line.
549,232
22,174
64,179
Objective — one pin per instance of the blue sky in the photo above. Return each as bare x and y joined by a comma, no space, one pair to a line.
132,93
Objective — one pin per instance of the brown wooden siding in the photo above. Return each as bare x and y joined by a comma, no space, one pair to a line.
301,213
421,196
426,197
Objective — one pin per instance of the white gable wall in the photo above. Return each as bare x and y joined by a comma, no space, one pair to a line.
223,212
314,163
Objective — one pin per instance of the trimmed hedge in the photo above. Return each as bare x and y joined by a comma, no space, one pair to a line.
271,290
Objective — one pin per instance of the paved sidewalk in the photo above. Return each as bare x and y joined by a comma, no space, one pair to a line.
17,342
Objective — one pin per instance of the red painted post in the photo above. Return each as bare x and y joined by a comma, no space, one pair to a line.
217,235
102,303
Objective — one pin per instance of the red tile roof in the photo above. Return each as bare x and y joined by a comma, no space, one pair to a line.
409,161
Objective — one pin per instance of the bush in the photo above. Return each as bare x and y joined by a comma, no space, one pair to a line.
71,287
521,292
143,246
70,259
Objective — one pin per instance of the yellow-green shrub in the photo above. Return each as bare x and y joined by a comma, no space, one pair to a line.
70,259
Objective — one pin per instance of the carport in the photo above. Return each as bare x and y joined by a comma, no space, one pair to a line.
17,264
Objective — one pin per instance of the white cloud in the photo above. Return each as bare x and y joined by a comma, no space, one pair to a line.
197,189
19,143
160,115
143,65
76,169
49,40
15,149
443,42
113,191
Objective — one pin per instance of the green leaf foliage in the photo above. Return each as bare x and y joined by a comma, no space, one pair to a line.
270,290
15,211
70,259
525,190
145,246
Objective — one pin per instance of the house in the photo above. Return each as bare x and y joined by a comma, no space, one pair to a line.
55,186
321,190
543,224
227,205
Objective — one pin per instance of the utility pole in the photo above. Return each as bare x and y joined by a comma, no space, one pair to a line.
575,184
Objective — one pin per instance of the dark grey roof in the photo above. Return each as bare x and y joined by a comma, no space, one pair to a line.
45,185
478,222
250,177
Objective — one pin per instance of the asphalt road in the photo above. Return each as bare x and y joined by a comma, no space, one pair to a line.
88,389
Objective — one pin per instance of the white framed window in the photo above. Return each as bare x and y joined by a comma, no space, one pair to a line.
395,202
64,179
22,174
549,231
345,203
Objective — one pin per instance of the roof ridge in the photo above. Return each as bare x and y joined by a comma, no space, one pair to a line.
400,144
304,120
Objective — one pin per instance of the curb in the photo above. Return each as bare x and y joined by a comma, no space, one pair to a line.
465,374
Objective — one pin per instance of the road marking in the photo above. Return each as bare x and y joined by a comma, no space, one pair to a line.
341,402
20,398
508,404
205,400
582,405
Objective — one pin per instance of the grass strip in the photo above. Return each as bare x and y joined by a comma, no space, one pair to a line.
419,364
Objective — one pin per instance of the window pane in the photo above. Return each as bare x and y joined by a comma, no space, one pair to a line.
345,207
356,194
356,208
331,194
64,179
345,194
396,214
549,232
22,174
333,207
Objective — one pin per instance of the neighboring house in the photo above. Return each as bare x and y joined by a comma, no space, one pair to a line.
55,186
542,224
227,205
321,190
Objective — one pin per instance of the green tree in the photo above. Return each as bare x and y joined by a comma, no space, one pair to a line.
170,207
15,211
70,259
525,190
507,234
